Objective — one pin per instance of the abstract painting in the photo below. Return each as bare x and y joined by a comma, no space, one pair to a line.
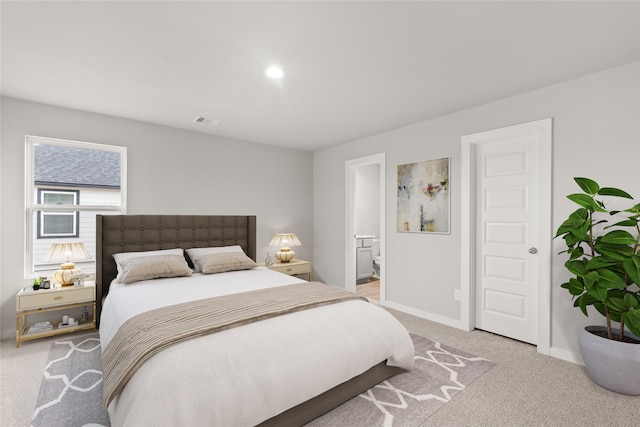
423,197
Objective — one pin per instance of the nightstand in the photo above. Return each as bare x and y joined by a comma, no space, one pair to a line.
69,299
295,267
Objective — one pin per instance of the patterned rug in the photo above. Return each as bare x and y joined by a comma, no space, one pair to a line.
406,400
71,389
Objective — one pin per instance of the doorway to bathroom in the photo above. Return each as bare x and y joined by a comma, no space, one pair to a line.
365,226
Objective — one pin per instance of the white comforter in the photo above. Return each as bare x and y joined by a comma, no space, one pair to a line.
246,375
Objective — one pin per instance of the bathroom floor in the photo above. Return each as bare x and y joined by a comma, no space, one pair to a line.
370,289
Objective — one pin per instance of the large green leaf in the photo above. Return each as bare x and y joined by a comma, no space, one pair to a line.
631,300
610,191
590,280
577,267
580,214
576,219
632,320
610,280
581,231
563,229
599,293
582,302
599,262
632,268
586,201
618,237
571,240
577,224
574,286
623,223
576,252
587,185
619,252
616,304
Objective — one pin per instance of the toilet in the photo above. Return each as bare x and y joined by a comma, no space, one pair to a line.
376,258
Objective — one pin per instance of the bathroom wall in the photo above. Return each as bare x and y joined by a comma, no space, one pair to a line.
367,201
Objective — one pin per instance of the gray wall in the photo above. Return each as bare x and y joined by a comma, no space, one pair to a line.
206,174
595,134
170,171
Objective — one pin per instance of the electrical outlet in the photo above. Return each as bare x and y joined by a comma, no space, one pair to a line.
456,294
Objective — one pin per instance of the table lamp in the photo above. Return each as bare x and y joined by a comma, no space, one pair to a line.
285,241
67,253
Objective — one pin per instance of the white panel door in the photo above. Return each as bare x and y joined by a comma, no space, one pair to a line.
507,192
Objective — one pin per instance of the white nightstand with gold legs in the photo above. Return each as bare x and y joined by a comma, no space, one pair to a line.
65,300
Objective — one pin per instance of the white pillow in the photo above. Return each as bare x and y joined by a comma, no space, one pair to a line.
122,256
196,253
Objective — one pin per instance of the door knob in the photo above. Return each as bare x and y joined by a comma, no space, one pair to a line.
533,250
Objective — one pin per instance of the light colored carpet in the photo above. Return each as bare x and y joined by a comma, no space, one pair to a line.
523,389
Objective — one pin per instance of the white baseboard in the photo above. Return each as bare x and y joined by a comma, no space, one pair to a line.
566,355
553,351
425,315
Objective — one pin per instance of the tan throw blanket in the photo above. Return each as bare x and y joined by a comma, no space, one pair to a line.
148,333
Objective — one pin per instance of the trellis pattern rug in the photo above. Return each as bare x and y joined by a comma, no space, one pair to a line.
71,389
406,400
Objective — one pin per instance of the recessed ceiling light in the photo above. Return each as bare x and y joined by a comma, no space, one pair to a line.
274,72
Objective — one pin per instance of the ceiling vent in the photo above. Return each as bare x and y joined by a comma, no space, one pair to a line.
206,121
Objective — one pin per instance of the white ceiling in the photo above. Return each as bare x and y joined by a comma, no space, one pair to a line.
353,68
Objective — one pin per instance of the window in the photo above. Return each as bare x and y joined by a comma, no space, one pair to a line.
67,184
58,224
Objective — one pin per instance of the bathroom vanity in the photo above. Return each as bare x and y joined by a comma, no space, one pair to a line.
364,258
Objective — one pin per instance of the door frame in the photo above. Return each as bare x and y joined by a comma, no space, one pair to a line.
542,128
349,241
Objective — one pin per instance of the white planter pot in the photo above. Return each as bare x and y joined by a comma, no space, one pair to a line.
611,364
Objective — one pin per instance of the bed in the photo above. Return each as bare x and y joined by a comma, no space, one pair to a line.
278,369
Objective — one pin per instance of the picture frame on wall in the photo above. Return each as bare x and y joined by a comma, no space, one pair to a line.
424,202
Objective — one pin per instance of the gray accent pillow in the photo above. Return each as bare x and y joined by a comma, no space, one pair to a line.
225,261
121,256
196,254
153,267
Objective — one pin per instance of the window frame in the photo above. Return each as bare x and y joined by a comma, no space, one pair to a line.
31,206
40,234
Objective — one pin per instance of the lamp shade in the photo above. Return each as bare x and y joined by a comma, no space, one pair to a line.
285,241
67,253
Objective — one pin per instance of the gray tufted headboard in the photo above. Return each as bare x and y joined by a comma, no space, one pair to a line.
136,233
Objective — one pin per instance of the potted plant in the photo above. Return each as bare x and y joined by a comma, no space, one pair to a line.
604,259
36,283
